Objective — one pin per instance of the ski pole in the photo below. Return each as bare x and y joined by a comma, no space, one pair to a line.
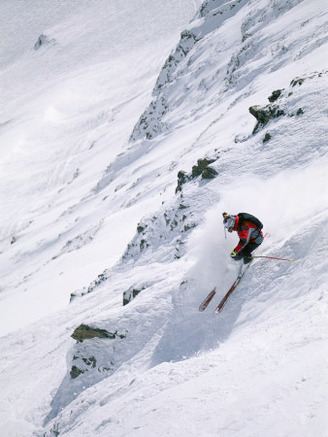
272,257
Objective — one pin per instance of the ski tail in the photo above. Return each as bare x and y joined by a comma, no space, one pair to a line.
207,300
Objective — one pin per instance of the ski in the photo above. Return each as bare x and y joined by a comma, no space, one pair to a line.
207,300
231,289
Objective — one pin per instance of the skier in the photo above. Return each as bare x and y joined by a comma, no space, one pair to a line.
249,231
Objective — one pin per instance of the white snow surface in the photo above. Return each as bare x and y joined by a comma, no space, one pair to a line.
95,124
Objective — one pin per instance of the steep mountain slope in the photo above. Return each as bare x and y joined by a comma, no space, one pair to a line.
156,365
68,107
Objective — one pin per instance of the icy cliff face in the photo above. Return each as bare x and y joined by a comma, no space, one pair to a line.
236,122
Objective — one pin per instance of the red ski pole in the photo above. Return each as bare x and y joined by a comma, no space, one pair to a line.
272,257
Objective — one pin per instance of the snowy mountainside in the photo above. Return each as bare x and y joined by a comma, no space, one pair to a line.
65,121
237,122
232,34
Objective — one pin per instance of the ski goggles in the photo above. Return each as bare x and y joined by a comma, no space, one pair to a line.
229,222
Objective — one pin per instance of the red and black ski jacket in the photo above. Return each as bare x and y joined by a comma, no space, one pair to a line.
248,232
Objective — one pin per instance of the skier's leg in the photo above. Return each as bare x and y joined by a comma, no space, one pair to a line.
247,252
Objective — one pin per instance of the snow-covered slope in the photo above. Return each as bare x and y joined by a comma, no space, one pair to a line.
67,111
111,194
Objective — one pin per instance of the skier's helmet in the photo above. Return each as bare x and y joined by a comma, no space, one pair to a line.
229,222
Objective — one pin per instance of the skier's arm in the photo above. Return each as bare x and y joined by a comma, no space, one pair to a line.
244,237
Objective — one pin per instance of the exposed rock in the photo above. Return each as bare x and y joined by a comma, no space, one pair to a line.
131,293
267,137
85,332
201,167
54,431
75,372
166,227
275,95
84,359
85,364
42,41
182,179
264,114
173,223
299,82
209,173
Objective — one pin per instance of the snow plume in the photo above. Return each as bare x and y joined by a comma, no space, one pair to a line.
111,224
284,201
208,246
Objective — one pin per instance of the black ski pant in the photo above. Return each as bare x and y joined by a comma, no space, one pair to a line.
246,252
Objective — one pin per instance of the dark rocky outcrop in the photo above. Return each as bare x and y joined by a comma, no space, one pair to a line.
202,168
267,137
131,293
275,95
83,360
85,332
264,114
182,179
42,41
